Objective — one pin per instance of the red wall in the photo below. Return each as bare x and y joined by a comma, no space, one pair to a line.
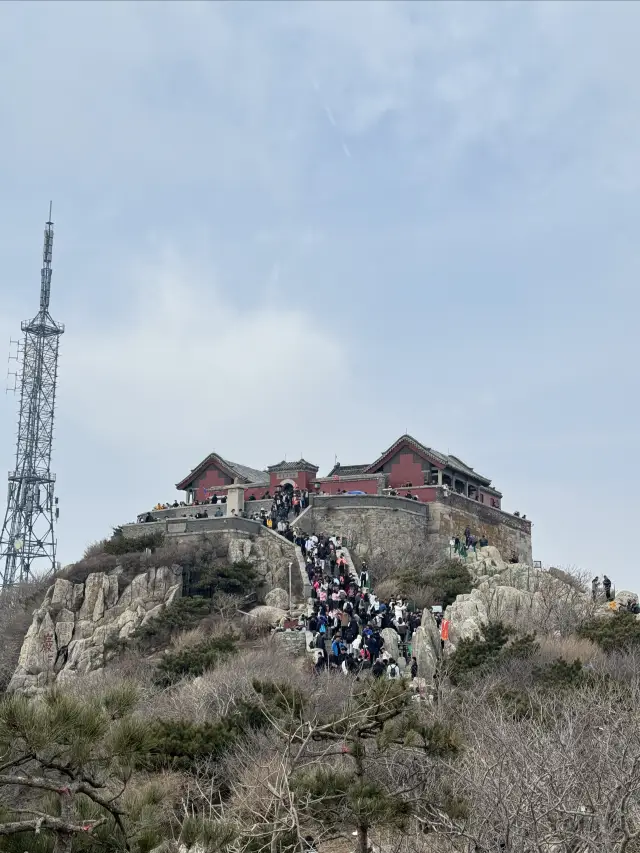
488,499
332,487
257,492
302,479
404,469
423,493
212,477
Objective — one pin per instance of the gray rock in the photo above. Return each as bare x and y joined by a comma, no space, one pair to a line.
278,597
62,595
391,642
80,618
426,646
268,616
152,614
93,587
64,628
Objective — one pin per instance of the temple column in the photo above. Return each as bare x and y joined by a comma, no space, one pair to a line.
235,499
440,477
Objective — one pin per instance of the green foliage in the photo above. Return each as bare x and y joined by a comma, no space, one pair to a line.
518,703
280,697
63,741
448,580
182,614
181,744
118,544
618,632
479,653
521,648
560,675
194,660
206,574
440,739
437,585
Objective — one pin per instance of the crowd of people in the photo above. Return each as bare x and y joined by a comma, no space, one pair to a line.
346,618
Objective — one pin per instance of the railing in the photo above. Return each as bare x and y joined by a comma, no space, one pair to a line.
191,525
369,502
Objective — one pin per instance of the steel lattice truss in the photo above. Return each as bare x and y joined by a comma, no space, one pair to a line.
28,529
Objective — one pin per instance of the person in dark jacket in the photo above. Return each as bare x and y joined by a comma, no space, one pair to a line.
414,668
378,669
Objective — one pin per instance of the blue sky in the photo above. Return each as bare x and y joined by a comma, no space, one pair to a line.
288,228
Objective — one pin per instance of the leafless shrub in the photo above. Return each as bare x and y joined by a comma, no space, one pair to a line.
566,779
95,549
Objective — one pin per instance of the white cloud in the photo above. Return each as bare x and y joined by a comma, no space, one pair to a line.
189,366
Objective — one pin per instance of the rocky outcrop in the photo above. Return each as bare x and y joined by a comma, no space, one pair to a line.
426,646
73,629
517,594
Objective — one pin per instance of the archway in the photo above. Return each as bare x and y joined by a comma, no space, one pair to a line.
288,486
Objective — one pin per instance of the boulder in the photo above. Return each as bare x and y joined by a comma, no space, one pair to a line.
426,646
68,632
466,614
278,597
391,642
623,596
152,614
268,616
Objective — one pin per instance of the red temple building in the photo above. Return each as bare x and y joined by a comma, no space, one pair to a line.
407,466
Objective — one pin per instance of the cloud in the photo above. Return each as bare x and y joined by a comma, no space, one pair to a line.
187,365
469,273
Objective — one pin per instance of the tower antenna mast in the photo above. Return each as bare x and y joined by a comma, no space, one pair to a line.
28,531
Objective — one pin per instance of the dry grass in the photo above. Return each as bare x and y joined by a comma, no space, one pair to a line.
189,639
218,692
569,649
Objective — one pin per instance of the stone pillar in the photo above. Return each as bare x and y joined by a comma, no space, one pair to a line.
440,476
235,499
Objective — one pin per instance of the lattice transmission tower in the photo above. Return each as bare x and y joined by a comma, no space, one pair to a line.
32,509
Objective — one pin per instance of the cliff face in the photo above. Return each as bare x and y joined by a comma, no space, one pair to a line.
69,630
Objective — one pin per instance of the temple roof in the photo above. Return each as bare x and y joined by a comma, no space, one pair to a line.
300,465
347,470
253,475
243,473
443,459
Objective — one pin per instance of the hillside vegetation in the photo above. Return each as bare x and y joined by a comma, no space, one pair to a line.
203,736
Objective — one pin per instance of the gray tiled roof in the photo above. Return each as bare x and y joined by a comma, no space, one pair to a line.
450,461
300,465
347,470
253,475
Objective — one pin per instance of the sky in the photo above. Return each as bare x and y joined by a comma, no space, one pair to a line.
288,229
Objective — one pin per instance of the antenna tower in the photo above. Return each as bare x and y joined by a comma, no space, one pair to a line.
27,533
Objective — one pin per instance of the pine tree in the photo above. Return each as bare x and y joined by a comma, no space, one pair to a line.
66,765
